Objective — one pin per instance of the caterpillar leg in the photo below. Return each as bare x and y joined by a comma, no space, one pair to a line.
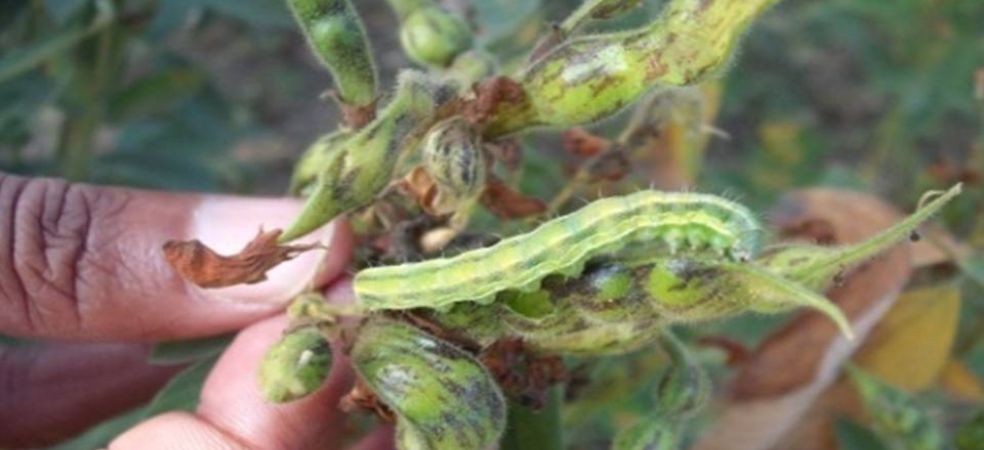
442,397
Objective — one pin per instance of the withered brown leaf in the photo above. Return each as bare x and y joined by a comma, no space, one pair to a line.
203,266
508,204
420,186
488,95
581,142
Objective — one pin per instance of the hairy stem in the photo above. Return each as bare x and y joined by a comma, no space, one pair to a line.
527,429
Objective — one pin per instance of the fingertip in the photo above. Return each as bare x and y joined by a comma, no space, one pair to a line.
382,438
172,431
341,246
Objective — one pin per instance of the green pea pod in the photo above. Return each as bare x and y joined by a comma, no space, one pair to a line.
454,158
471,67
815,266
315,158
685,388
597,10
591,78
895,415
295,366
444,399
654,432
432,36
364,165
337,36
695,290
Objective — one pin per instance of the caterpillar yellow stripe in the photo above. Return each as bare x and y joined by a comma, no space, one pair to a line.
647,223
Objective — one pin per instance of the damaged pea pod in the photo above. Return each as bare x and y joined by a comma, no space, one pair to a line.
295,366
597,10
431,35
337,36
454,158
444,399
614,308
364,163
654,432
682,391
895,415
587,79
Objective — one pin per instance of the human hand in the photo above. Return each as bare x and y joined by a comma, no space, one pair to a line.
81,267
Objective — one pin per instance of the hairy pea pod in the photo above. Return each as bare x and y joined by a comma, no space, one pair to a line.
588,79
685,388
587,315
364,163
315,158
454,158
896,416
431,35
682,391
471,67
815,266
597,10
295,366
654,432
444,399
657,221
337,36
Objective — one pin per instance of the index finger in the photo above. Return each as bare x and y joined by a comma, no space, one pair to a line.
85,262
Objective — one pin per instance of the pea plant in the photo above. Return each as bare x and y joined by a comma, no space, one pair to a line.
453,332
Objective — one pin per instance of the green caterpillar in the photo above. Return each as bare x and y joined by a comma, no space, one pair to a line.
657,221
678,258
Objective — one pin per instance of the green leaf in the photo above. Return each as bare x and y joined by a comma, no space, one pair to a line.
853,436
180,394
155,94
101,435
182,352
31,55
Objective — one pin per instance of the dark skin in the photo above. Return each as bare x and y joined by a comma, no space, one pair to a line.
81,273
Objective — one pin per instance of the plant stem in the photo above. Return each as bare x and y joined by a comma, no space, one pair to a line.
79,130
527,429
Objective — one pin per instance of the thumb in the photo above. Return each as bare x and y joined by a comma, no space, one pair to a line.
85,262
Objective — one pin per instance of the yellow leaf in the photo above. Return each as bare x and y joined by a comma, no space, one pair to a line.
957,380
911,345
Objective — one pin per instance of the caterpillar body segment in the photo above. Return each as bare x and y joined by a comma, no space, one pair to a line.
668,223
